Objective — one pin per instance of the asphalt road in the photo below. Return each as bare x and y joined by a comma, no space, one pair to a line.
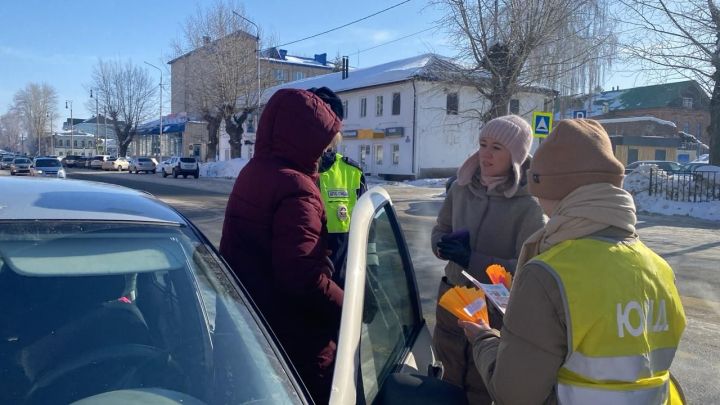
691,246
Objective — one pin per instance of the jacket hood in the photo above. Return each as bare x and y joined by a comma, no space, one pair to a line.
296,126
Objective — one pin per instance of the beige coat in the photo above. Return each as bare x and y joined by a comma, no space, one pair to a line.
522,367
498,226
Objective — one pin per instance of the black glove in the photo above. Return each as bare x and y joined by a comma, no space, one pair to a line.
455,250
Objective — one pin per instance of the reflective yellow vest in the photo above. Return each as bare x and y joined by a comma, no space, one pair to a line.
338,187
624,321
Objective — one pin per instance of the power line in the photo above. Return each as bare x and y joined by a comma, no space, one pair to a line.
350,23
394,40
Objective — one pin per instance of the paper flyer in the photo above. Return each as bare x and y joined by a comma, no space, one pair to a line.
498,294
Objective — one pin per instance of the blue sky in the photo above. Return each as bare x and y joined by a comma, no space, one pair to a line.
59,42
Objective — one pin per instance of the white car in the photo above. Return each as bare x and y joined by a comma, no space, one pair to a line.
180,166
47,167
106,304
96,162
113,163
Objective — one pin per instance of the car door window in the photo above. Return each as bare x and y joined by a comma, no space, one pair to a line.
391,317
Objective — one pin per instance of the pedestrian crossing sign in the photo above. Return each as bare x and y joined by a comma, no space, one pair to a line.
542,124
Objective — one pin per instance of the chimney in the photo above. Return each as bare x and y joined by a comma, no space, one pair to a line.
321,58
345,67
283,53
206,39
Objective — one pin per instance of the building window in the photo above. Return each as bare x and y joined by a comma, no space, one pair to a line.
345,109
396,154
299,75
82,144
363,107
660,154
396,104
379,106
686,128
364,153
514,106
687,102
379,154
633,155
75,144
451,104
280,76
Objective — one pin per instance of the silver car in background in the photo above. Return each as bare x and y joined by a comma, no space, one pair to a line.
20,165
47,167
142,164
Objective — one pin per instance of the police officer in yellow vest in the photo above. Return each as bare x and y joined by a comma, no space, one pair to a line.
341,183
594,315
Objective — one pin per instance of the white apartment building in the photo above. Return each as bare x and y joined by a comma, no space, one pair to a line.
408,119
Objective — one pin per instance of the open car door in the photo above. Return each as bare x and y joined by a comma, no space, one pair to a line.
383,334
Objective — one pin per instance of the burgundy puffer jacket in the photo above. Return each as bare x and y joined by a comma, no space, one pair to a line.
273,235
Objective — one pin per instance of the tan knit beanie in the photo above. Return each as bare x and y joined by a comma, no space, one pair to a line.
576,153
515,134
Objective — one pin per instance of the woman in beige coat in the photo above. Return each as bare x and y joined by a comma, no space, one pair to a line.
485,218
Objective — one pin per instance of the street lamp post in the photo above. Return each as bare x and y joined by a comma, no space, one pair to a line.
72,126
257,58
52,135
161,89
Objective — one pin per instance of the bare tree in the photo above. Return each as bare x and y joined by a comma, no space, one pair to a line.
512,44
35,103
11,130
679,39
128,94
220,67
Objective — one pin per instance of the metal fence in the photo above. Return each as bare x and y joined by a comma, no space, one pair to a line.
699,186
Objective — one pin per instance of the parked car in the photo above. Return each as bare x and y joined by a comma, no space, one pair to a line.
6,161
47,167
666,165
70,160
97,161
142,164
110,305
20,165
116,163
181,166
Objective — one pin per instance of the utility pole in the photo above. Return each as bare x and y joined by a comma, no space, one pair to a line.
161,89
97,116
257,58
72,126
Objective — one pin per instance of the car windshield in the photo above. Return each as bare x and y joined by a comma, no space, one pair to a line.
187,160
22,161
95,307
47,163
144,160
8,159
672,166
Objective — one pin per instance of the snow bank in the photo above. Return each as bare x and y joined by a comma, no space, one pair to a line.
226,169
638,184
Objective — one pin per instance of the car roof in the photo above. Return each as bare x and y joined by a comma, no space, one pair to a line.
64,199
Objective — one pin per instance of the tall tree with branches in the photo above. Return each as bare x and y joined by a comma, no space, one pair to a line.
678,39
11,130
217,55
565,45
35,103
128,94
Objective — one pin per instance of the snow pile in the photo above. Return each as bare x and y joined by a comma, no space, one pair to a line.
431,183
638,184
227,169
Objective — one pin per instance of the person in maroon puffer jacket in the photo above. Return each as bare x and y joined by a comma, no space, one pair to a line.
274,232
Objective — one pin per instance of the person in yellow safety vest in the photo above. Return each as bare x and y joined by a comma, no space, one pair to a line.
594,315
341,182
